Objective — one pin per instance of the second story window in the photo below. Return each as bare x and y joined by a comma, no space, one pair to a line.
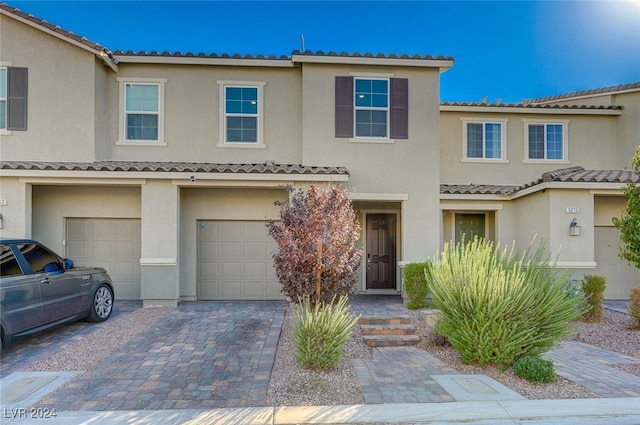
546,141
371,108
3,98
13,99
142,111
483,140
241,114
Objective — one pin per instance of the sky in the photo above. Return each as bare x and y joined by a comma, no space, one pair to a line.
507,50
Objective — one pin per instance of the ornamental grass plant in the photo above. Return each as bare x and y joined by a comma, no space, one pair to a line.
498,305
320,330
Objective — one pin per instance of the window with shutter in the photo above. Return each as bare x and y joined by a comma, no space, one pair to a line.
372,108
13,99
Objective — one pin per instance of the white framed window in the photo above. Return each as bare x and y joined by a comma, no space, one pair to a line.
142,111
484,140
241,113
546,141
371,107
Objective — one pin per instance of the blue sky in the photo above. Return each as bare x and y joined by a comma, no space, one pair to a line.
503,49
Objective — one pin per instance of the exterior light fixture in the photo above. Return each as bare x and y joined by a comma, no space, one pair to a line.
574,229
1,222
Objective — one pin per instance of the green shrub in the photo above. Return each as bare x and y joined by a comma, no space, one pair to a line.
321,330
634,304
535,368
498,305
416,284
593,291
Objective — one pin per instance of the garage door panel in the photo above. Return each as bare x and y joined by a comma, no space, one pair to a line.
252,270
244,261
230,249
257,249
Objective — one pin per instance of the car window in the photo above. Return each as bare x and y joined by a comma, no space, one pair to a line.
8,263
38,256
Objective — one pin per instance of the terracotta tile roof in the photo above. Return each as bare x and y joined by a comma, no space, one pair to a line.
166,54
372,55
54,28
477,189
592,92
530,106
572,175
190,167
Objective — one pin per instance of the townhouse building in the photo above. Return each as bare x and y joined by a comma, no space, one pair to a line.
164,167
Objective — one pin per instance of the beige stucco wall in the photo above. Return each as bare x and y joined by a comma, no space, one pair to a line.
16,214
217,204
61,109
591,144
192,114
407,167
628,127
53,204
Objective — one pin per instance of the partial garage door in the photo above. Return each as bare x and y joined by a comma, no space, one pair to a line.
110,243
620,276
235,261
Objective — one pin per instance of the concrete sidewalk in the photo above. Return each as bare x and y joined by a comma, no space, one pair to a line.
619,411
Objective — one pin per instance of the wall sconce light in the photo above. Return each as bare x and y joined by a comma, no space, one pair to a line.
1,222
574,229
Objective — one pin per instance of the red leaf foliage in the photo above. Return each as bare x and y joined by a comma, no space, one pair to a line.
310,216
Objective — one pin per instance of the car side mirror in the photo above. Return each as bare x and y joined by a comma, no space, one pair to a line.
68,264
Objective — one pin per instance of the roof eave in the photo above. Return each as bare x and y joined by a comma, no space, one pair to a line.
195,60
527,109
442,64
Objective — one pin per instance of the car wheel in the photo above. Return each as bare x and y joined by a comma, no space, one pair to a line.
101,304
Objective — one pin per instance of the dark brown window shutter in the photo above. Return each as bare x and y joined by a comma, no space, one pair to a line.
399,108
16,98
344,106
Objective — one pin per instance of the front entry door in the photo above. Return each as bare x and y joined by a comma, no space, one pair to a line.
381,251
469,226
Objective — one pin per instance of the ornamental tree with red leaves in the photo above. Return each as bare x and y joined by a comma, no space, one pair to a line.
316,236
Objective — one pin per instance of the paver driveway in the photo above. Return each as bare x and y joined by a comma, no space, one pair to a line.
202,355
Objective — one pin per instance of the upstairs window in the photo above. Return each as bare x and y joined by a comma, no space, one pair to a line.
13,99
546,141
483,140
142,116
372,108
3,98
241,120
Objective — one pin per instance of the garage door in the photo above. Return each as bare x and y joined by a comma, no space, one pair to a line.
235,261
620,276
110,243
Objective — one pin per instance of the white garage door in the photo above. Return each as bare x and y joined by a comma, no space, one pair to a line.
235,261
620,276
110,243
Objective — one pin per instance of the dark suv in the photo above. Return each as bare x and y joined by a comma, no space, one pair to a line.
40,290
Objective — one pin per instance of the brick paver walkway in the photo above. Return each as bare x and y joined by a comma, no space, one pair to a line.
401,375
205,355
592,367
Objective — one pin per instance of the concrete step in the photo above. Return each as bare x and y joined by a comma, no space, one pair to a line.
402,329
385,320
390,340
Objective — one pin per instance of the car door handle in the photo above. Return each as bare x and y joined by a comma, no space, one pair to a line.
47,281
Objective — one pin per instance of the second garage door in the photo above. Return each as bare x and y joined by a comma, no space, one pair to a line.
235,261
